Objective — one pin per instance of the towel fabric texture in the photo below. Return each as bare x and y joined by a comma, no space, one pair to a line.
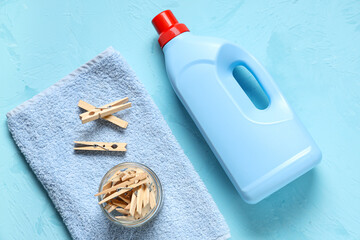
45,127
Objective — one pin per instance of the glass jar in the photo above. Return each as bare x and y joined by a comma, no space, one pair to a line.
155,185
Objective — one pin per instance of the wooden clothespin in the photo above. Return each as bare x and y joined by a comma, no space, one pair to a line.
115,120
100,146
104,111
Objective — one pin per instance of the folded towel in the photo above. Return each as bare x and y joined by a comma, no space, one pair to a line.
45,127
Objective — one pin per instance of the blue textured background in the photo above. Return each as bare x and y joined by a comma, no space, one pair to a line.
312,49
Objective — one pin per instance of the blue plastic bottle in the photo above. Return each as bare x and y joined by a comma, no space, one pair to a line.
261,150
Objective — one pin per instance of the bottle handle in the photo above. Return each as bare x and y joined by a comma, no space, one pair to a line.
231,56
260,74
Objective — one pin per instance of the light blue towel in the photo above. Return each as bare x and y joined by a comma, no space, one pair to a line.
45,127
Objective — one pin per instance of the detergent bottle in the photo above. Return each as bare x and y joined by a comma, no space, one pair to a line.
261,147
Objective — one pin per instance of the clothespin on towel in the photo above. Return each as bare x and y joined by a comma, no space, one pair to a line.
104,112
100,146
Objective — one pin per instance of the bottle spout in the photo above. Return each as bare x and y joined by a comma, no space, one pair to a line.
167,27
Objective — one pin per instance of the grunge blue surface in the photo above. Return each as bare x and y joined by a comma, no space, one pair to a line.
310,48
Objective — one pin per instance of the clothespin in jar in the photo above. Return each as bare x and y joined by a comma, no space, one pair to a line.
105,111
100,146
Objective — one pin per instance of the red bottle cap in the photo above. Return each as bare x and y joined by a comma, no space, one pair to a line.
167,26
